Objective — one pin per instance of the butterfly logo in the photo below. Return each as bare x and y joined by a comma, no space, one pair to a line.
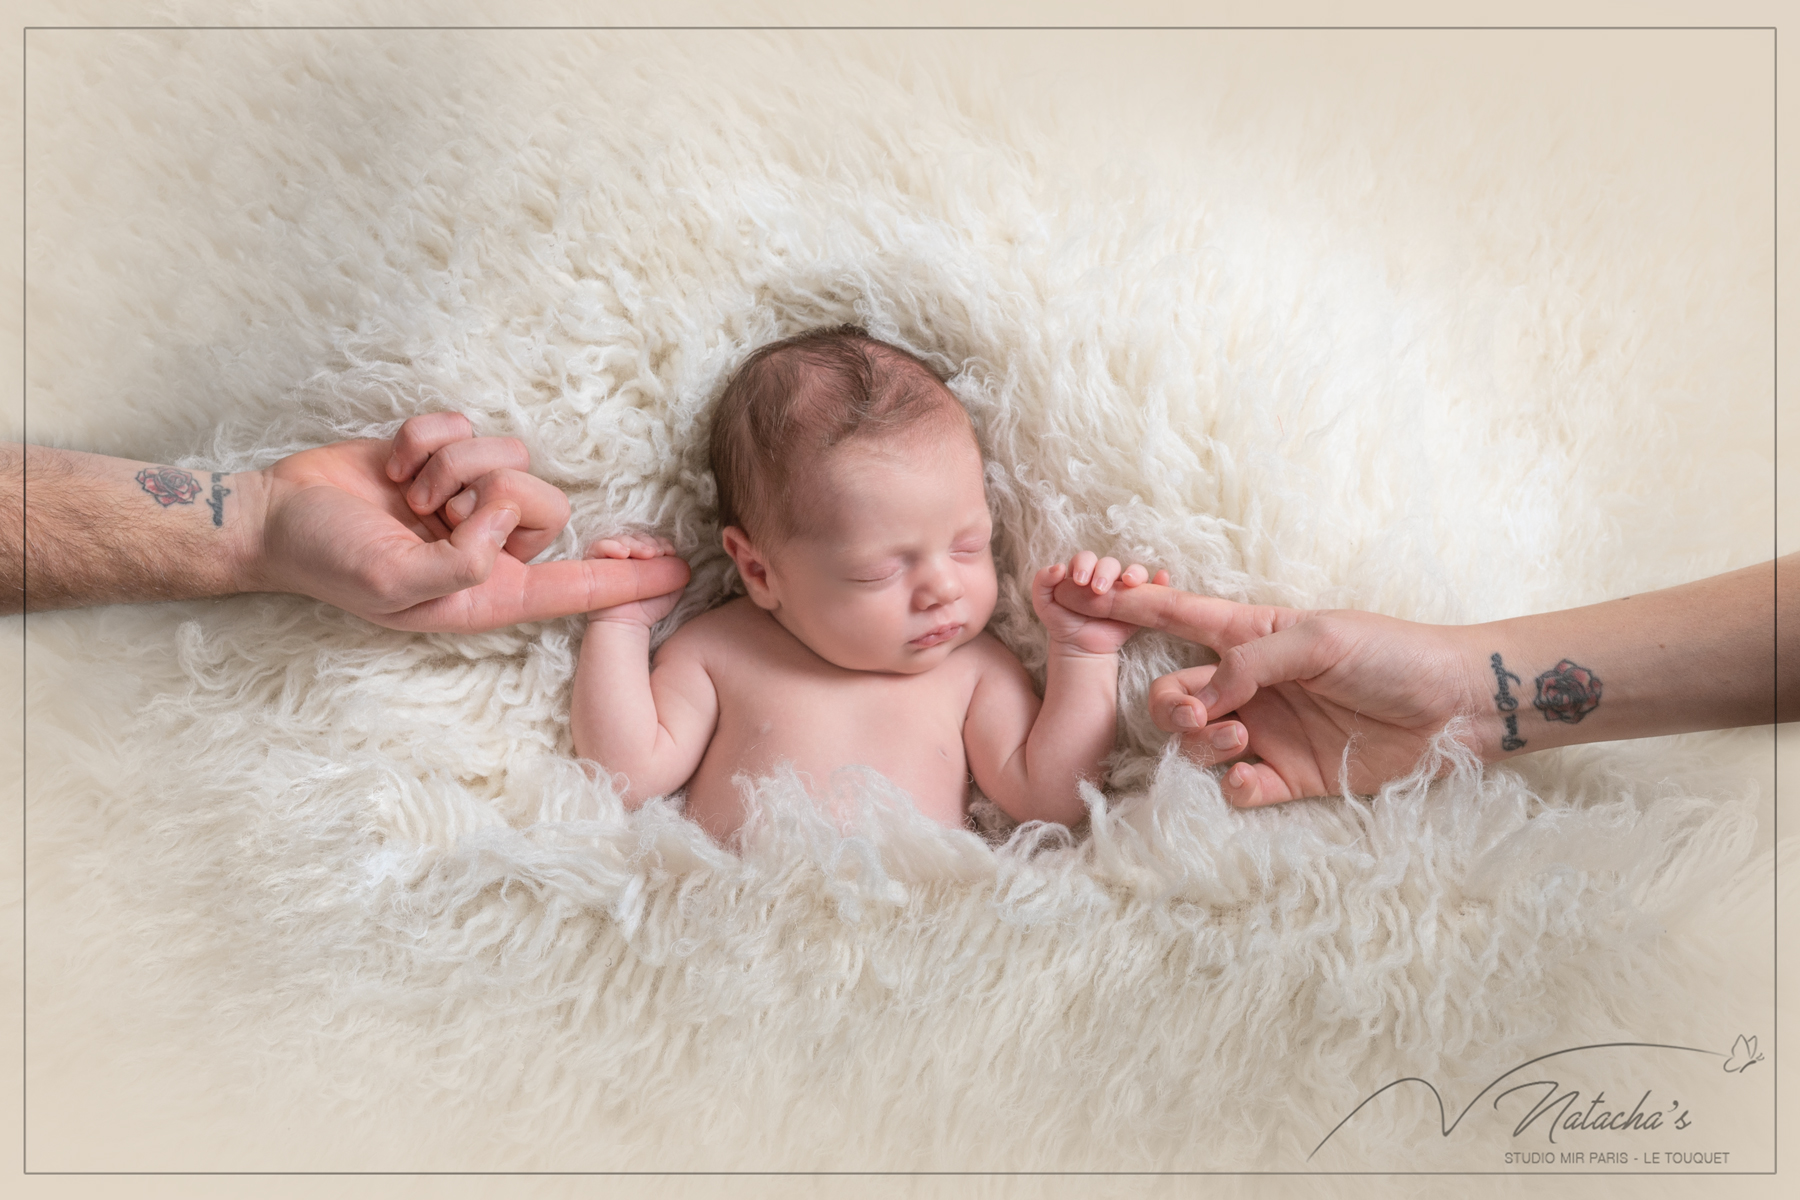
1743,1054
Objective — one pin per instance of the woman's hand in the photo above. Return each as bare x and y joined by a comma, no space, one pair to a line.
1306,694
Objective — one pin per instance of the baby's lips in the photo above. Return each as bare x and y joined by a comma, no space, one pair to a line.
937,636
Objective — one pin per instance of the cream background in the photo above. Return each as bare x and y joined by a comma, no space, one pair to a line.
1139,80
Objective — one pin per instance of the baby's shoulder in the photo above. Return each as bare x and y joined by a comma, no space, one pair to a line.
988,656
714,627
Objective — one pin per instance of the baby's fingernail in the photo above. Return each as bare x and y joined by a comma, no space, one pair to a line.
1225,738
1187,718
462,504
1208,697
1240,776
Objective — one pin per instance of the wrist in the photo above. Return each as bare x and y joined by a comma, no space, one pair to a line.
248,565
1502,671
1072,651
608,618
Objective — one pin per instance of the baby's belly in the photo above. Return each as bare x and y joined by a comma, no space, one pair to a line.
922,752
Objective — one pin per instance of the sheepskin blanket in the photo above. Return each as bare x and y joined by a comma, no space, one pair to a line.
1447,326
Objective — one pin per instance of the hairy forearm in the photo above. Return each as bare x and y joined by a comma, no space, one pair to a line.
81,529
613,716
1698,656
1069,741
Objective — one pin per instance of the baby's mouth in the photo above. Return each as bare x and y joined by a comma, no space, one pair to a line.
942,633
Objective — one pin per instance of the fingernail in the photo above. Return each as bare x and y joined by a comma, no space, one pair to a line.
1187,718
1208,697
1240,776
393,467
1226,738
462,504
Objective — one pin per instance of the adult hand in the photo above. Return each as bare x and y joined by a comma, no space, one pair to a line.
430,531
1295,690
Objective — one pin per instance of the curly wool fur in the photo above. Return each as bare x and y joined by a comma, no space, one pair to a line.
357,872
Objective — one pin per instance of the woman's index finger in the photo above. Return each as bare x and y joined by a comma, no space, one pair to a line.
1204,619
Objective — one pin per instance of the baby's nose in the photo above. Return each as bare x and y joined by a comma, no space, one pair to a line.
941,585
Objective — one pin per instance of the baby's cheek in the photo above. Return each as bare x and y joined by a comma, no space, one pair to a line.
984,594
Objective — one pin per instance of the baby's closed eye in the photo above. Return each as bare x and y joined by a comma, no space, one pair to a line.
877,574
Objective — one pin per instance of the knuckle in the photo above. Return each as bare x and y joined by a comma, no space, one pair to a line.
384,586
432,478
1329,636
469,571
408,437
498,482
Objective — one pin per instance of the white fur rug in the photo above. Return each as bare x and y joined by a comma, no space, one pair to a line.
1451,329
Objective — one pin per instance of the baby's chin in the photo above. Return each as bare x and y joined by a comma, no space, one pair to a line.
907,660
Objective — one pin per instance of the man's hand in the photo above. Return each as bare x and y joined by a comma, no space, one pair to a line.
1296,689
430,531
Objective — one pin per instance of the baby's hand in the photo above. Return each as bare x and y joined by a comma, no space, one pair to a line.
1090,635
635,545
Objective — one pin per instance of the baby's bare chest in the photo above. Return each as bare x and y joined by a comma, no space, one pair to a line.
867,713
908,727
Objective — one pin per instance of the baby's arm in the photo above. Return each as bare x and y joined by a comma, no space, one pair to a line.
652,726
1028,756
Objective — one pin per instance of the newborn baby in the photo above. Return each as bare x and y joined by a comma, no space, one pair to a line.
850,489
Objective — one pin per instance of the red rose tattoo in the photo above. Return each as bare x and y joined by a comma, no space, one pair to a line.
1567,692
168,485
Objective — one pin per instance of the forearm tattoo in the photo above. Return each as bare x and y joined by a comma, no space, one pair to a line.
172,485
217,503
1567,692
1505,701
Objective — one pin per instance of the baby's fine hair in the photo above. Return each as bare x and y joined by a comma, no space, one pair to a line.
796,398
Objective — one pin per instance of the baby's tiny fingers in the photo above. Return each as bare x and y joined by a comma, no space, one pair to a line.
1081,567
1162,579
608,548
1105,572
1133,575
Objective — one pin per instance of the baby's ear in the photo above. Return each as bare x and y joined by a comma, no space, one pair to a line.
752,567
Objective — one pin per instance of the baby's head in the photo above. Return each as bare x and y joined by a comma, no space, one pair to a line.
851,494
